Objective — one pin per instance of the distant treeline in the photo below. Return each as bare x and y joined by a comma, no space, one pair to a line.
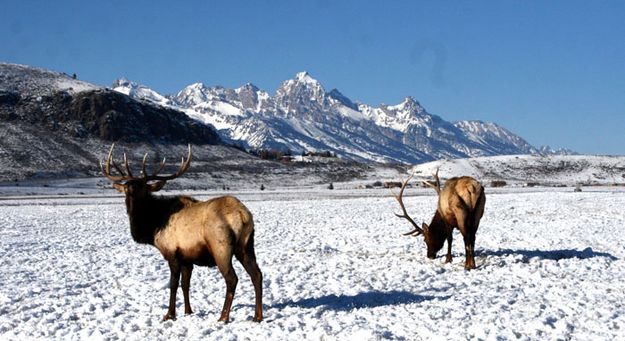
277,154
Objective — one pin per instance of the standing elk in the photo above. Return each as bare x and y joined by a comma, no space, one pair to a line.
460,205
189,232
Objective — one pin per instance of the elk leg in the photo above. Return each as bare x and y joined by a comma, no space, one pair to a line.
449,240
174,280
469,241
248,260
227,271
186,284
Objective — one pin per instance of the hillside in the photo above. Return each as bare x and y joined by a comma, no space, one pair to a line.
524,169
54,126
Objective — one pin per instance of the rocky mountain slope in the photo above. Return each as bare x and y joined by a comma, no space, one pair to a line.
303,116
52,126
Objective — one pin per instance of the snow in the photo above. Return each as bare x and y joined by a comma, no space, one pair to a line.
545,169
351,113
223,107
74,86
216,121
141,92
549,266
305,78
36,82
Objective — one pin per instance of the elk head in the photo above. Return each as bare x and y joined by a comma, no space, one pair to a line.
434,233
140,187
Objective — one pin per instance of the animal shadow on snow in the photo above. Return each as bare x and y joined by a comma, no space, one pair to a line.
362,300
549,254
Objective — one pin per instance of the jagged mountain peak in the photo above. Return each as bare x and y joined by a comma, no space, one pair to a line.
302,80
139,91
496,137
302,94
248,87
409,105
303,116
198,86
338,96
548,150
193,94
305,77
410,101
123,82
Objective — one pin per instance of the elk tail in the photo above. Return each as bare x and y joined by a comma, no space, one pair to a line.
479,207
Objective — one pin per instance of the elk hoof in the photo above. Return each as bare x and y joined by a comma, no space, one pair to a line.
448,260
188,312
257,319
223,319
169,316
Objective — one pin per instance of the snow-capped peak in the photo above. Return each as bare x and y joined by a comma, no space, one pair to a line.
305,77
248,87
303,116
138,91
123,82
409,104
192,95
301,89
198,86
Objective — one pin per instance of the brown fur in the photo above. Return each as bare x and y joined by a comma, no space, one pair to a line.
460,205
189,232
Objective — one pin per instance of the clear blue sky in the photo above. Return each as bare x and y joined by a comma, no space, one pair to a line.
551,71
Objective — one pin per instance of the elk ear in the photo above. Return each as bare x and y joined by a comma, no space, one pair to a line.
157,186
121,188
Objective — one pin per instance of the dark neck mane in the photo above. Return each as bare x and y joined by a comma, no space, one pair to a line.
150,215
438,231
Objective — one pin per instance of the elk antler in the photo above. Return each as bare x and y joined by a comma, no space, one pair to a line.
106,169
436,185
184,165
417,230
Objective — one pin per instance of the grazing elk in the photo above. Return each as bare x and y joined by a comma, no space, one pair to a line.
461,205
189,232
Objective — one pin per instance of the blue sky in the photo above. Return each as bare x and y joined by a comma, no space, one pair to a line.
551,71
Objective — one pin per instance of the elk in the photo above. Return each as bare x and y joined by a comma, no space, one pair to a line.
189,232
460,205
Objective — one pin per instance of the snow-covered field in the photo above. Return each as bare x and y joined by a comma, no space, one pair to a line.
550,265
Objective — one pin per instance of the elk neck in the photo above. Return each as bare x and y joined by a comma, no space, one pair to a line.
150,214
438,232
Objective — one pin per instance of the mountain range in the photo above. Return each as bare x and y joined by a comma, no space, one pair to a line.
302,116
55,126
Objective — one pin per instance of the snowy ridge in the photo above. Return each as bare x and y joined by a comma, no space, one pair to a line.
31,81
302,116
490,135
542,169
138,91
